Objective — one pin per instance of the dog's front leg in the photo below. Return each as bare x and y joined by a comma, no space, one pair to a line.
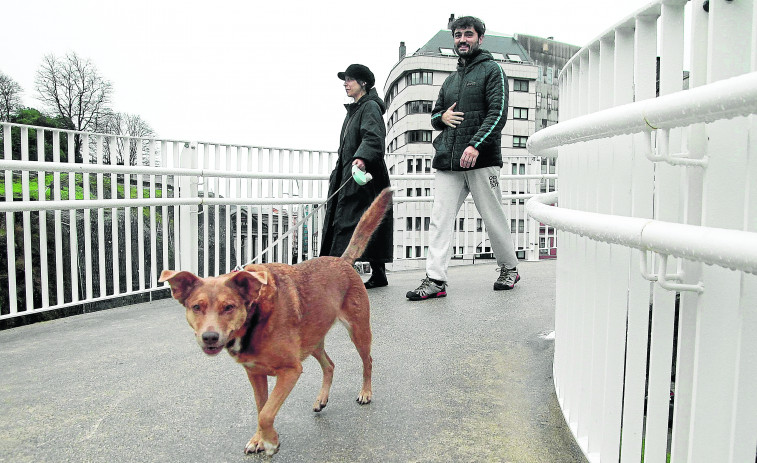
268,437
260,389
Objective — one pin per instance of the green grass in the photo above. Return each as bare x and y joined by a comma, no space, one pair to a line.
65,193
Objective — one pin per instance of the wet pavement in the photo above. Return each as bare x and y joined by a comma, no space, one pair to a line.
462,378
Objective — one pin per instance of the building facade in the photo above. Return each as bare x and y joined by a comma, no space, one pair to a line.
410,92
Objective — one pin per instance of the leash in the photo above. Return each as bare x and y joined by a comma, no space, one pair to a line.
360,177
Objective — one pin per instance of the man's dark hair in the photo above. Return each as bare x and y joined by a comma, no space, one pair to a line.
465,22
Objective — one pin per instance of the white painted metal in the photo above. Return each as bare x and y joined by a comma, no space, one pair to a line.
683,172
98,258
41,197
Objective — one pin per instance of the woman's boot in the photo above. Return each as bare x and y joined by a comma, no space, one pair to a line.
378,276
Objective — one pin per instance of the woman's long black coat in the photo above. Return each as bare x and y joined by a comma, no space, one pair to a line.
363,134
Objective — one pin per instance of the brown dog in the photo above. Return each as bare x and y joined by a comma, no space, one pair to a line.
271,317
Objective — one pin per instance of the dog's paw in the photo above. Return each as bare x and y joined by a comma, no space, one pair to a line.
258,445
320,404
364,397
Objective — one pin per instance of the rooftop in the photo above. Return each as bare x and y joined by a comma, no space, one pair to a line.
497,44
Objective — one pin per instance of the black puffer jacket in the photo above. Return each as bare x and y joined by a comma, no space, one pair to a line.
363,134
481,91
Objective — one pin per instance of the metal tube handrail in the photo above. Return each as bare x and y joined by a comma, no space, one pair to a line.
731,249
724,99
82,168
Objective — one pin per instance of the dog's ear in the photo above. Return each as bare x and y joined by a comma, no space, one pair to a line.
181,283
249,284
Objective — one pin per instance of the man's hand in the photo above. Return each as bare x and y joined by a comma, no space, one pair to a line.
359,163
469,157
452,118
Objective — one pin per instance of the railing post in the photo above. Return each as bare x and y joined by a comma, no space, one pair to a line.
188,245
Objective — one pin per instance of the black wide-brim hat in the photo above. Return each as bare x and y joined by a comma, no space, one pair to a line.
358,72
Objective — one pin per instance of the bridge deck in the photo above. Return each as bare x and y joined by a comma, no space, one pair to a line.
464,378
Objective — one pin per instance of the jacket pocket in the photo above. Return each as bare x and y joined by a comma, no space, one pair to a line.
441,143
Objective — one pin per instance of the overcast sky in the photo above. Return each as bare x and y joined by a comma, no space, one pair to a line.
258,73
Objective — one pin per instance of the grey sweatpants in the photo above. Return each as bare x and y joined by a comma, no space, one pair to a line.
450,190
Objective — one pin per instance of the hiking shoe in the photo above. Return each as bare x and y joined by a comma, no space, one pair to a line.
428,289
507,278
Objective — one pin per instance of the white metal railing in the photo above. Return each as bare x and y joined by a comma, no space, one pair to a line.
661,359
88,226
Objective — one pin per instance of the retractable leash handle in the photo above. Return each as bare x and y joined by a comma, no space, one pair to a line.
361,178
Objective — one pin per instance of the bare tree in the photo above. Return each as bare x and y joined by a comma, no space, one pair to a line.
10,97
72,88
130,129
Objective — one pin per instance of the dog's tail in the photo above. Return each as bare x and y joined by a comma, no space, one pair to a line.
369,222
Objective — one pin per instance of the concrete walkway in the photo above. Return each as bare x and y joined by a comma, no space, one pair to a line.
463,378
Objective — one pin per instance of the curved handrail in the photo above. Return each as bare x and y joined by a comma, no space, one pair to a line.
732,249
724,99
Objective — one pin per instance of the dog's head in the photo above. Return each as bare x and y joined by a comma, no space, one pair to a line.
218,307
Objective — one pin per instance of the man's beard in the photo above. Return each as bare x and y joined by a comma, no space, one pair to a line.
472,51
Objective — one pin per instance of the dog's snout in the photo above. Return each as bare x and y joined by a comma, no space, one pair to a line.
210,337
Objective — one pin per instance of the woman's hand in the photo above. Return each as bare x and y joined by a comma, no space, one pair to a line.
359,163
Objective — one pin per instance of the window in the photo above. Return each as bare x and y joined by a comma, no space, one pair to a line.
426,223
498,56
410,192
392,146
392,120
417,251
418,165
409,166
408,252
419,136
418,107
514,57
391,94
447,51
521,225
520,85
417,224
479,224
428,169
408,223
519,142
518,169
518,200
462,224
520,113
418,192
419,78
427,191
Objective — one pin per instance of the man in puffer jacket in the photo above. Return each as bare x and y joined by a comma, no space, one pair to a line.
471,111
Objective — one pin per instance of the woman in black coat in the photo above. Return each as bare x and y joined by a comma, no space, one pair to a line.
361,144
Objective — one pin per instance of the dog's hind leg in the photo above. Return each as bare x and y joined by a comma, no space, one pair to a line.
328,375
357,320
362,339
